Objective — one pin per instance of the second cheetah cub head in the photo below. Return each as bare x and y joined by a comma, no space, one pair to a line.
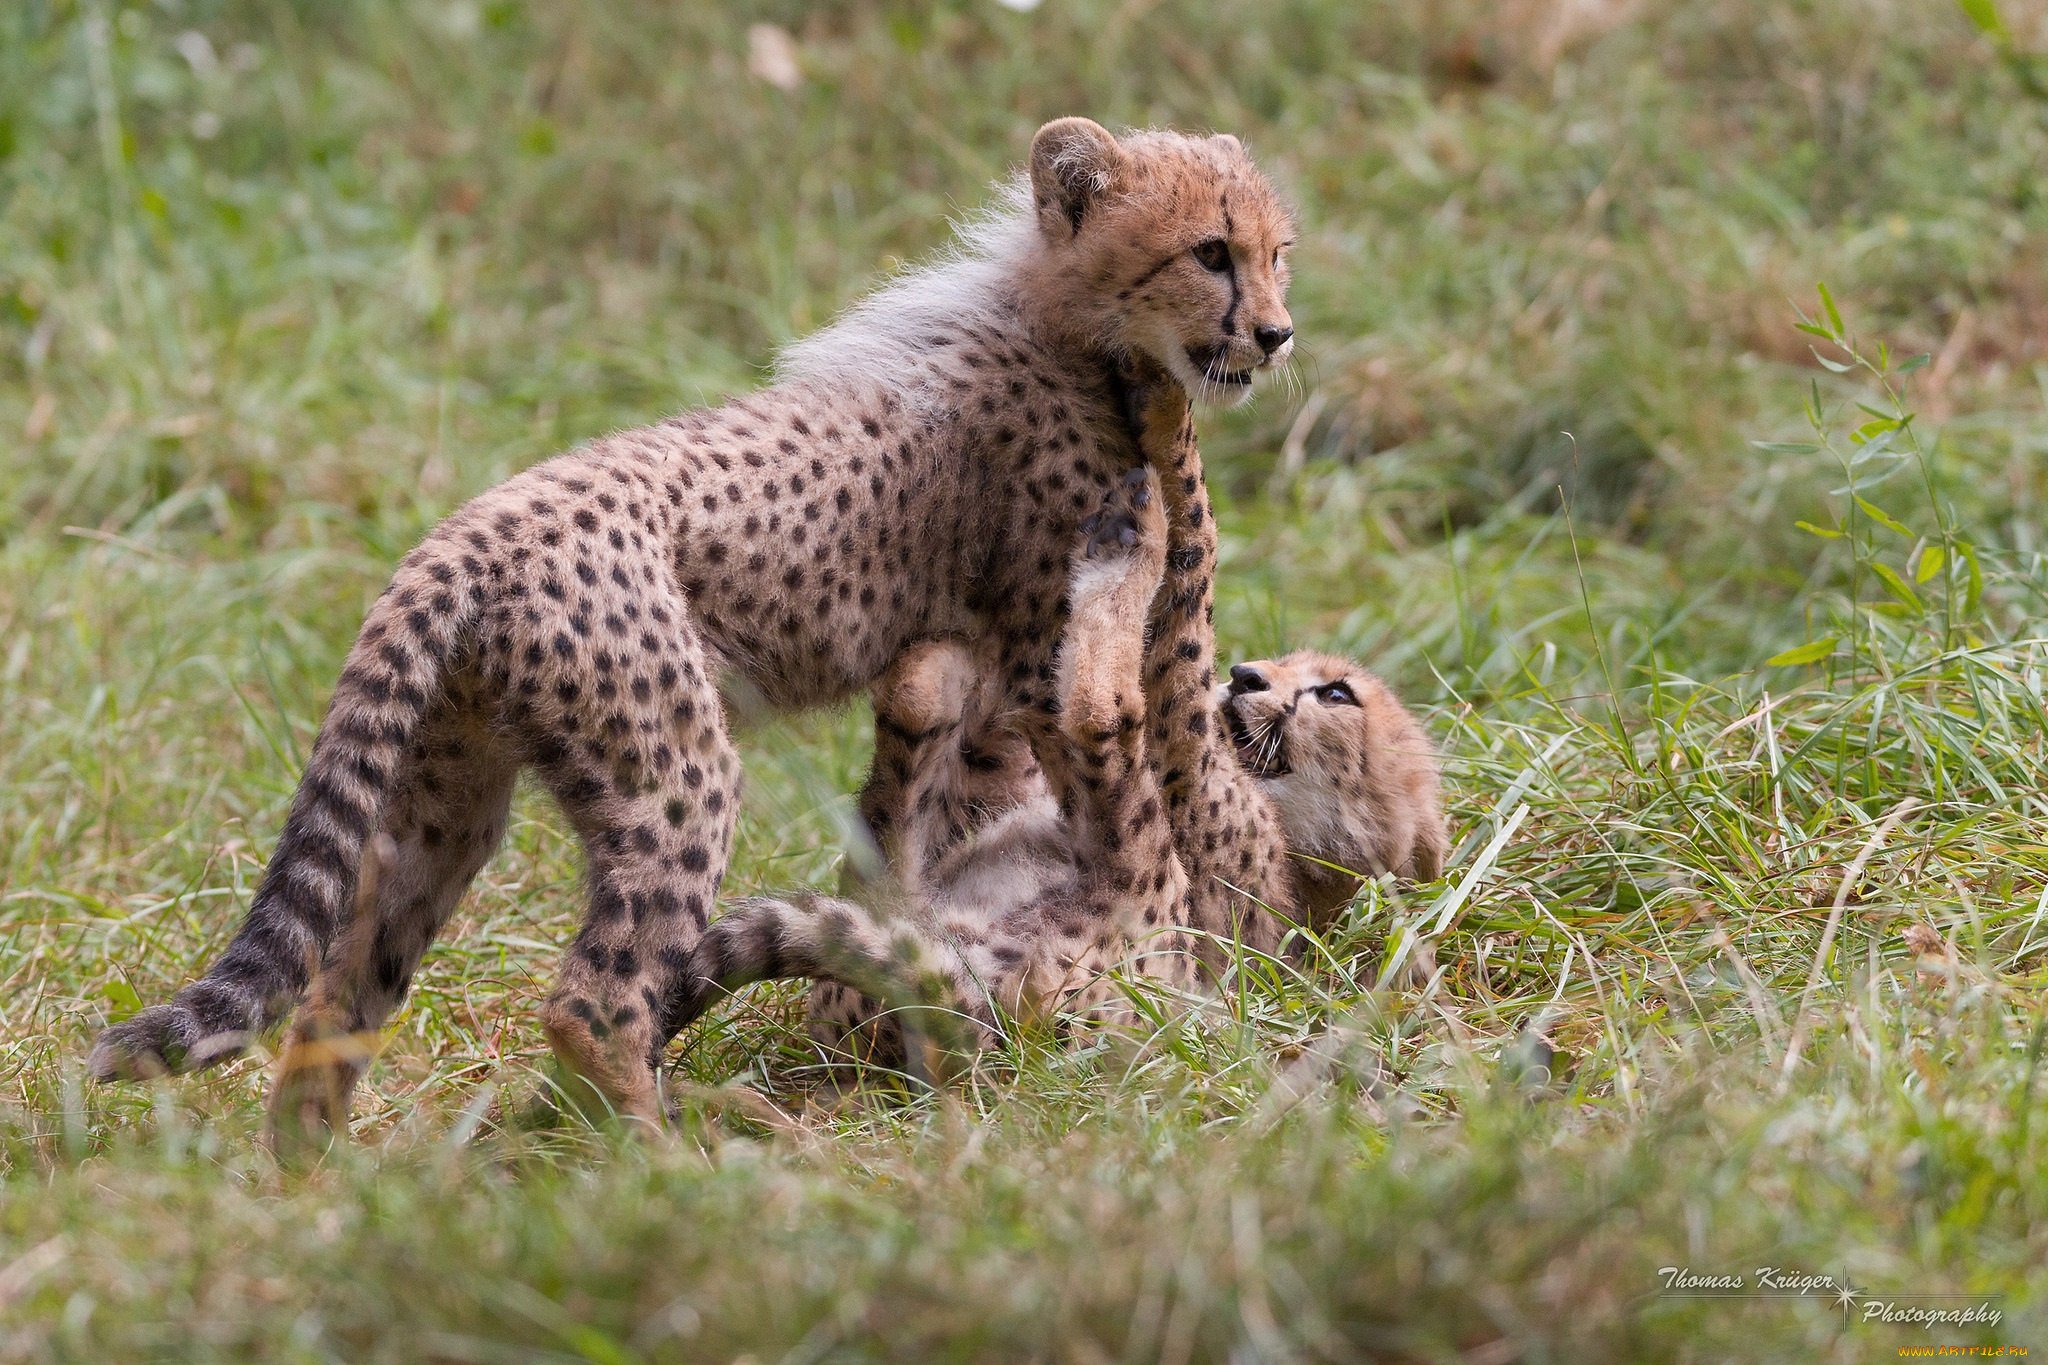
1167,246
1349,770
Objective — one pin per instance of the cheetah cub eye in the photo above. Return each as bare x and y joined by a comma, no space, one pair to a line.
1336,694
1213,254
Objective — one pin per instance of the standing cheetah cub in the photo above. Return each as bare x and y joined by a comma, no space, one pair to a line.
917,470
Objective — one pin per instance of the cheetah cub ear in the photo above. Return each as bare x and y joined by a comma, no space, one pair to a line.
1074,162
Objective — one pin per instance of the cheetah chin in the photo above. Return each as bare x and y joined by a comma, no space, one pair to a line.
1207,376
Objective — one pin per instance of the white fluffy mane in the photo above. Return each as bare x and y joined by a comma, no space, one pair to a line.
964,285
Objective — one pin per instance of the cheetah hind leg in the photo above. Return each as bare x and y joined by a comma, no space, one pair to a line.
658,840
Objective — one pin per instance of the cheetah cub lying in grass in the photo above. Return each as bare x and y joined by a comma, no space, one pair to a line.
918,470
1028,853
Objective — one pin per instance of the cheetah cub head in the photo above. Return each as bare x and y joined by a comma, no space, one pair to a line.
1349,771
1167,246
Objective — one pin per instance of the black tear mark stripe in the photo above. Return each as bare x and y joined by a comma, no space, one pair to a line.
1147,277
1230,313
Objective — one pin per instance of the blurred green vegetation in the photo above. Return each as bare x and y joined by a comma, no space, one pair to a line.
281,283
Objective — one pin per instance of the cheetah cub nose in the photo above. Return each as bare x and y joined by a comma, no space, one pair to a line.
1271,338
1244,678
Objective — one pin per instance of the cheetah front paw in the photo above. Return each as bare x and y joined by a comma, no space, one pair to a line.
1120,523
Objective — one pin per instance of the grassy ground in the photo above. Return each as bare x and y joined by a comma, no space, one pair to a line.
1737,965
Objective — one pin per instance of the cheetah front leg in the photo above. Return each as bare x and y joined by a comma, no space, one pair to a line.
1229,843
1096,751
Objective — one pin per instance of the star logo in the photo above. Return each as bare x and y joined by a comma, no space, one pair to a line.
1845,1299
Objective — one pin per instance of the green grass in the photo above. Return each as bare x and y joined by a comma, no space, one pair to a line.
273,301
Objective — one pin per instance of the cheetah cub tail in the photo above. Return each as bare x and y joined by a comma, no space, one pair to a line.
393,676
825,938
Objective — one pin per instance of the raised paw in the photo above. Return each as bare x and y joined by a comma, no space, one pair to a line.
1117,526
926,687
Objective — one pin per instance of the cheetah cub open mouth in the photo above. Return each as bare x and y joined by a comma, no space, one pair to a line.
1209,362
1261,741
1194,239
